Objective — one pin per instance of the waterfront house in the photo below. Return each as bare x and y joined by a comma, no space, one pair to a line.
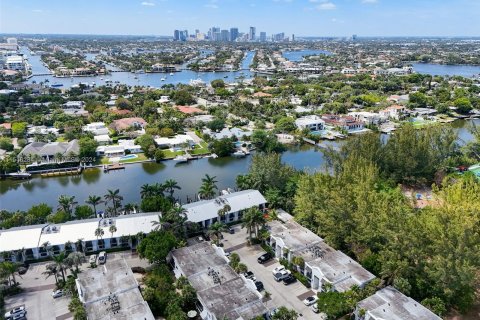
39,241
389,303
205,212
347,123
322,264
122,125
221,292
367,118
47,152
228,133
96,128
175,142
393,112
103,139
312,123
123,147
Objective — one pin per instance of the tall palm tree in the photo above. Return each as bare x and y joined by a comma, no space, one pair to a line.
223,211
51,270
115,197
253,219
60,263
94,201
157,225
79,245
112,230
129,208
99,233
216,230
146,191
9,269
170,186
66,204
208,187
75,259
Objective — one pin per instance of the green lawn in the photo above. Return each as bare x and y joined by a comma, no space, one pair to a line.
140,157
171,154
200,149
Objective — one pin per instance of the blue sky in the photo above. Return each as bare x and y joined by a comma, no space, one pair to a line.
301,17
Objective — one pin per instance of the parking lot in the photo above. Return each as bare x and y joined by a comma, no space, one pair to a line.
290,296
37,295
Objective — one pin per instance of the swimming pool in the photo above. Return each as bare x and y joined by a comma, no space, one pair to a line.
129,156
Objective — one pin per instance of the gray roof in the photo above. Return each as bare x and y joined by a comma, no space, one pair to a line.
389,303
229,297
50,149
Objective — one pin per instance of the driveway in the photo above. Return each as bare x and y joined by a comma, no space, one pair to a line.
290,296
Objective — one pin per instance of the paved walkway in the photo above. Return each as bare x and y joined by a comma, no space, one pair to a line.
194,136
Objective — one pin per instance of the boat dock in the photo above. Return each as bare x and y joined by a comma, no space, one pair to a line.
61,172
112,167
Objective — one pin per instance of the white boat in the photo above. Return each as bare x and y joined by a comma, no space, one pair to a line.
171,73
239,154
163,79
180,159
197,82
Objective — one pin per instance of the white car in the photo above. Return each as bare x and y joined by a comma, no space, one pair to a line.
279,276
14,311
310,300
278,269
19,316
57,294
93,258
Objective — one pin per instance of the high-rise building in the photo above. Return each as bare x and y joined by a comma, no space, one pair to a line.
212,32
251,34
278,37
293,38
354,37
263,36
225,35
233,34
183,35
176,35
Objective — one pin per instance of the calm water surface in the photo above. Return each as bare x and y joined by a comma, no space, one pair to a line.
446,70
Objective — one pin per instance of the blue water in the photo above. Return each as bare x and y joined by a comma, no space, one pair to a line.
144,79
296,56
446,70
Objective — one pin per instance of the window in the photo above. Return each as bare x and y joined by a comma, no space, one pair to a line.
113,242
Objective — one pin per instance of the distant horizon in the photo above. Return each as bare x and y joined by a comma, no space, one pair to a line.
320,18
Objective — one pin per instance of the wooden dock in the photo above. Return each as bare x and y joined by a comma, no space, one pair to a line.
112,167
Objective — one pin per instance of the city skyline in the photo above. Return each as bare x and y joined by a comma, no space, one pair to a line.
320,18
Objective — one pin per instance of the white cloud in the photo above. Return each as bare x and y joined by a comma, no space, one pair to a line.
326,5
369,1
148,4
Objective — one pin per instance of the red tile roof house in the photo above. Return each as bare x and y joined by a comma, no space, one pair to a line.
126,123
5,129
347,123
189,109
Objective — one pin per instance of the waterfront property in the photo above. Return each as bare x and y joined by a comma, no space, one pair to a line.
312,123
47,152
112,292
124,124
123,147
389,303
221,292
393,112
322,264
41,241
205,212
175,142
347,123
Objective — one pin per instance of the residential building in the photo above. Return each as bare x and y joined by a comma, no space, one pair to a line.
229,133
202,118
26,243
346,123
323,264
205,212
124,124
41,130
389,303
233,34
224,35
123,147
263,36
251,34
175,142
96,128
367,118
103,139
111,291
393,112
6,129
189,109
312,123
47,152
221,292
16,63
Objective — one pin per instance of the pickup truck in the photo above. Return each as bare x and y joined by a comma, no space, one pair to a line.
279,276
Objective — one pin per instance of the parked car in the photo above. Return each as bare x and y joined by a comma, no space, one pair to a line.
14,311
279,276
259,285
231,230
289,279
264,257
278,269
102,257
22,270
249,275
310,300
92,259
57,294
272,313
19,316
315,308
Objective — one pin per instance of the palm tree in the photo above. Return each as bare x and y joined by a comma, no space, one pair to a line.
208,187
222,212
252,220
9,269
112,230
66,204
94,201
59,261
216,230
146,191
99,233
170,185
79,245
157,225
51,270
75,259
115,198
129,208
